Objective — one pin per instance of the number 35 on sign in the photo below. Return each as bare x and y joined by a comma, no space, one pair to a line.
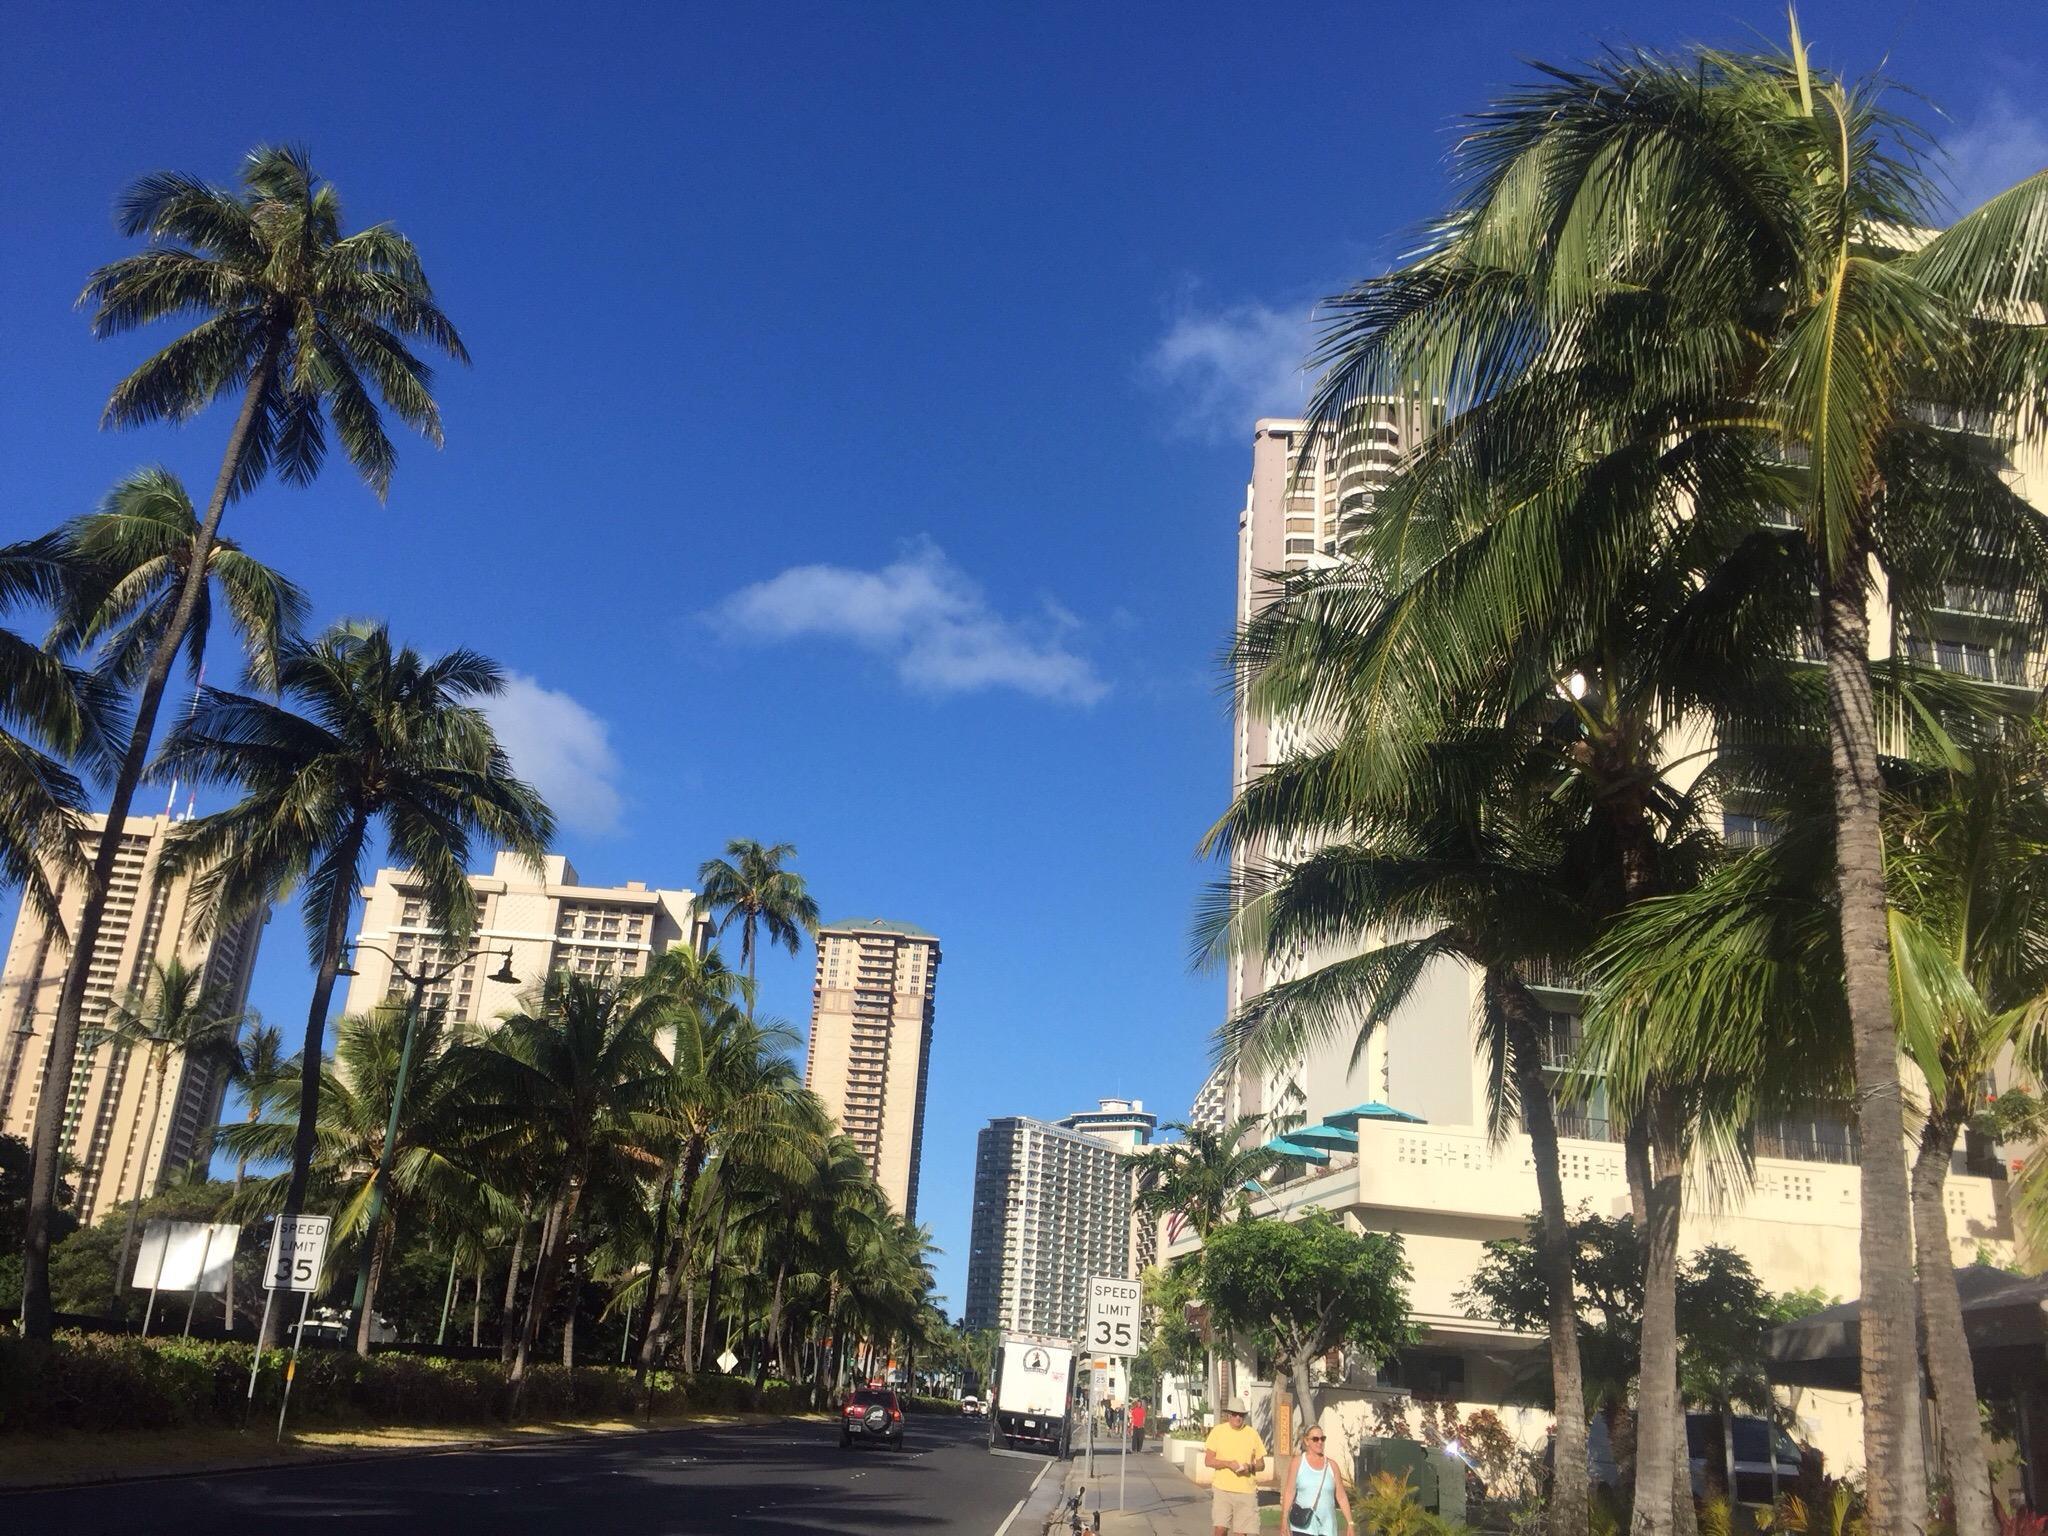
1114,1308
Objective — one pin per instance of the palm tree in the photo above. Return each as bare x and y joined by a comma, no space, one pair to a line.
1198,1180
751,886
1713,230
297,317
439,1157
50,714
386,738
133,553
578,1073
730,1088
176,1011
260,1070
1745,974
1473,863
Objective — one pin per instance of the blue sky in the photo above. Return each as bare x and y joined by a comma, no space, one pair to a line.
859,416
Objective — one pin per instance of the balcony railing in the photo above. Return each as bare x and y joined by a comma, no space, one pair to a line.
1806,1141
1551,976
1985,601
1967,659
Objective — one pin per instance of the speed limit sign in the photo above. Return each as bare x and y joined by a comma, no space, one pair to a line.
298,1247
1113,1311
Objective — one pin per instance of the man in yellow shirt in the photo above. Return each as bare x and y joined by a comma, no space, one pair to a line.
1236,1453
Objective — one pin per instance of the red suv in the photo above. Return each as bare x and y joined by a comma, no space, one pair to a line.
871,1413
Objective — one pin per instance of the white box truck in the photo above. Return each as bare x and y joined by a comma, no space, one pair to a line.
1032,1396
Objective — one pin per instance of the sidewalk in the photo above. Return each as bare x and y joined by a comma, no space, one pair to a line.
1158,1499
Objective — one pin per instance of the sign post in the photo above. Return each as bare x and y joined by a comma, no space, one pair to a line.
298,1249
1114,1310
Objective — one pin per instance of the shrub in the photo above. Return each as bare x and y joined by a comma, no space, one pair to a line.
106,1382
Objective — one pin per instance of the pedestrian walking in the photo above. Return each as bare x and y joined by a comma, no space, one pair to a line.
1314,1490
1236,1454
1137,1423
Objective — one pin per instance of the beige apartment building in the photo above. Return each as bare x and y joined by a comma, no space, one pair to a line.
1398,1140
871,1042
115,1095
543,916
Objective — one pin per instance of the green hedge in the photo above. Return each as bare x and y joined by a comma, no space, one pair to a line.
105,1382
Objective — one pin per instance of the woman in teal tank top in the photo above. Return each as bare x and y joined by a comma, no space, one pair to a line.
1314,1484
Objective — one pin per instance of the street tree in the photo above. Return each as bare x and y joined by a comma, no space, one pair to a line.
1301,1289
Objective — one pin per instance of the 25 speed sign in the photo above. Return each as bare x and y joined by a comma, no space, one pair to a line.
1113,1312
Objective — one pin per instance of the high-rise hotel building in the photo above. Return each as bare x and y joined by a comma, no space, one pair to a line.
115,1096
871,1042
543,914
1052,1210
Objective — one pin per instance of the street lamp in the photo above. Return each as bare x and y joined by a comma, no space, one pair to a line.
421,980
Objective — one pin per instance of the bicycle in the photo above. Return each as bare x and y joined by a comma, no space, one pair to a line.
1074,1524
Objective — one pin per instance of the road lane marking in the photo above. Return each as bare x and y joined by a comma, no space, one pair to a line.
1003,1529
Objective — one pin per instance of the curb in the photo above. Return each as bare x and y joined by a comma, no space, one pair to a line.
319,1458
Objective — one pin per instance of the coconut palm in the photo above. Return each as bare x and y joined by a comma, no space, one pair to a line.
730,1087
1198,1179
51,714
309,326
578,1072
1744,974
749,885
261,1071
1712,232
133,553
174,1012
1476,869
439,1156
386,738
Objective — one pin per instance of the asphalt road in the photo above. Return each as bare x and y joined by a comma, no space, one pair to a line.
791,1479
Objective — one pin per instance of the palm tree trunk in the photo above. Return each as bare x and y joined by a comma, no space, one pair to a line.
346,854
547,1271
378,1256
773,1340
711,1285
153,1072
1570,1485
1897,1480
508,1332
569,1327
46,1145
669,1268
1948,1349
1660,1450
476,1307
227,1303
655,1251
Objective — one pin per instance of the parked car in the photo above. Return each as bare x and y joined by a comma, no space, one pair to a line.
871,1413
970,1407
1707,1449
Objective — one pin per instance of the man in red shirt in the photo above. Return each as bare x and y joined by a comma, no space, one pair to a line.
1137,1424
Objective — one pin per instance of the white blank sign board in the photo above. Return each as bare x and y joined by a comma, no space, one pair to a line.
185,1256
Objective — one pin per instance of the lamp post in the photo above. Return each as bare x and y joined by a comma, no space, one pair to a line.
420,980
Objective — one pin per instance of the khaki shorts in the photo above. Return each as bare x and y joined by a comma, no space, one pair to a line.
1233,1511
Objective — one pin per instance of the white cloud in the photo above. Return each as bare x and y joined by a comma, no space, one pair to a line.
927,618
561,749
1225,368
2001,145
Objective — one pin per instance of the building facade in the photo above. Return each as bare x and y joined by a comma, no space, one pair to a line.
1125,1125
116,1097
544,916
869,1054
1052,1210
